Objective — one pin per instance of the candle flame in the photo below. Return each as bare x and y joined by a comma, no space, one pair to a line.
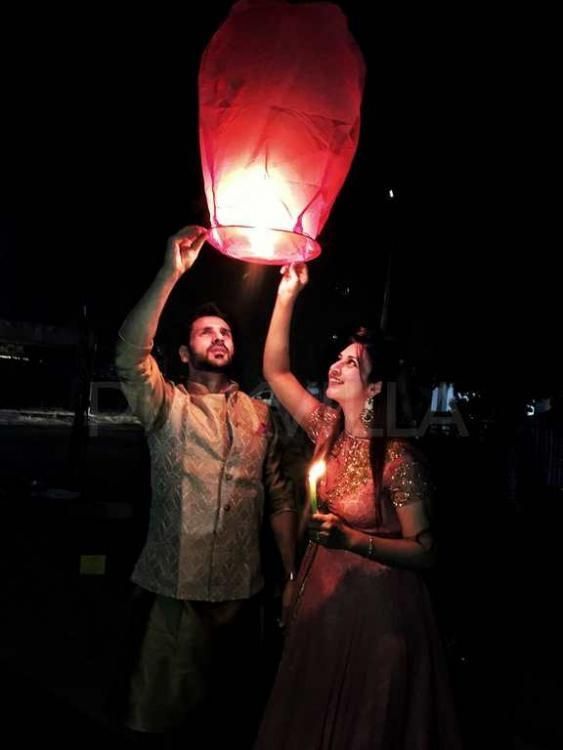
317,470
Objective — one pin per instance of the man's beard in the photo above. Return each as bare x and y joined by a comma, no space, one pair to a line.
205,365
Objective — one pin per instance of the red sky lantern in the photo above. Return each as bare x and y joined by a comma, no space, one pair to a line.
280,90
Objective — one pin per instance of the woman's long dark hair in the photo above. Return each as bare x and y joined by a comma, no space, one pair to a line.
373,345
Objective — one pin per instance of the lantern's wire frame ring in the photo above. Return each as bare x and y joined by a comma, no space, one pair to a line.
296,258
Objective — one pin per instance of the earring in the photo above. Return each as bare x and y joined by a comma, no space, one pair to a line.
367,414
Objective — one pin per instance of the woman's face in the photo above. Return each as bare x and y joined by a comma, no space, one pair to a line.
348,376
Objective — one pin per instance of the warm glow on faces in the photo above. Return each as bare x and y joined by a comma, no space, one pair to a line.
211,342
348,376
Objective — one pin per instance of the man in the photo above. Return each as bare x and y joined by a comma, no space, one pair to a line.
213,461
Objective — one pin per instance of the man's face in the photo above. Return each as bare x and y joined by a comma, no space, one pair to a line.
211,346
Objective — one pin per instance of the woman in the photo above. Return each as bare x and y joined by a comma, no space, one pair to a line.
362,665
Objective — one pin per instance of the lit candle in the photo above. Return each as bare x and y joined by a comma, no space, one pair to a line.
315,473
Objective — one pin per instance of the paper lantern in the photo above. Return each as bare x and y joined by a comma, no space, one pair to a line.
280,89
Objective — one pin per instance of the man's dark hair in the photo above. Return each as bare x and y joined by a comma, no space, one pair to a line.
206,310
